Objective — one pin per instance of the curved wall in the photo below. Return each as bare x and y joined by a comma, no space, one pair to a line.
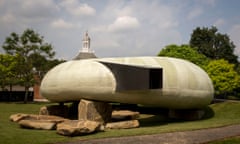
184,85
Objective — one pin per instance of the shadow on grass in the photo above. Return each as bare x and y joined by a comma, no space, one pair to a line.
154,120
30,102
209,113
158,116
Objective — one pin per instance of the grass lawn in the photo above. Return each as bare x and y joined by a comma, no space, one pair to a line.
233,140
219,114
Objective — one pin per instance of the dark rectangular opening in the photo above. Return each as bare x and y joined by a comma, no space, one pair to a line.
133,77
155,78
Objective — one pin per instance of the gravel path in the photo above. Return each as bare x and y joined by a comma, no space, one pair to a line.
187,137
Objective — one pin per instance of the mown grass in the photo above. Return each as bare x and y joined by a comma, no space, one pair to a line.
217,115
232,140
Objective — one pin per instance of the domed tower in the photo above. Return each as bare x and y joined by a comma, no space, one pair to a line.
86,43
85,52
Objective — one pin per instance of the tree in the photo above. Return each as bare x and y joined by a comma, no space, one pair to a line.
225,79
184,52
51,63
8,65
214,45
43,65
32,50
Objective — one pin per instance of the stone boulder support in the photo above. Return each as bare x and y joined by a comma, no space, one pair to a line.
21,116
123,124
94,111
76,127
38,124
195,114
45,122
120,115
17,117
57,110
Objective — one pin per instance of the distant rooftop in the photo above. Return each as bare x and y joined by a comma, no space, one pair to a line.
83,55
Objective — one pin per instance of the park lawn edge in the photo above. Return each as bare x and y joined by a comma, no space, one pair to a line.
227,113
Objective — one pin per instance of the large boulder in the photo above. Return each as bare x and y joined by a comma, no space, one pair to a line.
21,116
94,111
78,127
33,121
123,124
119,115
38,124
17,117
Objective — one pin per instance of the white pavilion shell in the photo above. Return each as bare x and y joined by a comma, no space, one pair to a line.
182,84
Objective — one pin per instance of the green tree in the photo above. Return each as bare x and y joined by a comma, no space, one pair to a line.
41,65
31,49
214,45
225,79
51,63
184,52
8,66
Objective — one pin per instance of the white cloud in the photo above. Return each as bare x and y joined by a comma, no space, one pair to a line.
124,23
8,18
156,15
195,13
117,27
28,4
78,9
84,9
28,12
36,9
219,22
60,23
114,9
235,37
122,36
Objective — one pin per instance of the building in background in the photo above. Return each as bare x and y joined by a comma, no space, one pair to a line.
85,52
15,93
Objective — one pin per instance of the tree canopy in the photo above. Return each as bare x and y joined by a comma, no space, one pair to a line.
214,45
225,79
184,52
8,66
32,53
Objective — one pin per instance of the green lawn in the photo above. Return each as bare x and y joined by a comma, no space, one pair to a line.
233,140
220,114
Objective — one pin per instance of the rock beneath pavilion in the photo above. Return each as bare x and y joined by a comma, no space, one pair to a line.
21,116
78,127
32,121
50,118
57,110
94,111
123,124
38,124
119,115
17,117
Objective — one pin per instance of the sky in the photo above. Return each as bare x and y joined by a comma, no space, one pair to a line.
118,28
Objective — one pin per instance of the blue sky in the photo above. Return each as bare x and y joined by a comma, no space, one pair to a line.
118,27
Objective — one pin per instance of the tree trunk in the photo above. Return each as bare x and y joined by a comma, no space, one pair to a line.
26,95
10,87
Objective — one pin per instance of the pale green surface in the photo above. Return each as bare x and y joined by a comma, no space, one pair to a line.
185,85
68,80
